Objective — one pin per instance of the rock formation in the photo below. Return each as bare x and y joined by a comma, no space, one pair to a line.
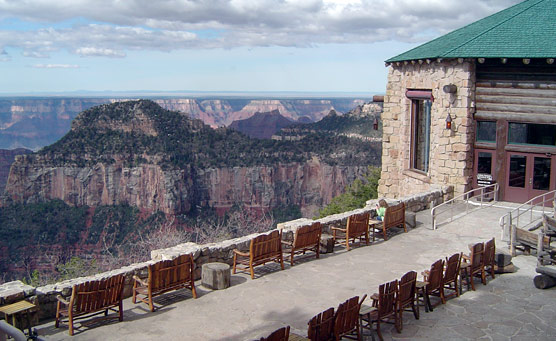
123,153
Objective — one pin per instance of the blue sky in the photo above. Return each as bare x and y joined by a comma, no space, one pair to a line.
49,46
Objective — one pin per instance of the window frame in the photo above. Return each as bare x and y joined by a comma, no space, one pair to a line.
419,98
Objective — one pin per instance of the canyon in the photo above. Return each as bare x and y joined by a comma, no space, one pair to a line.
155,177
35,122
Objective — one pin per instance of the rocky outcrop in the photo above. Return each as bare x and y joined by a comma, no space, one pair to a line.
309,185
262,125
7,157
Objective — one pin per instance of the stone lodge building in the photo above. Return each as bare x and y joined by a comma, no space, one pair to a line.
478,103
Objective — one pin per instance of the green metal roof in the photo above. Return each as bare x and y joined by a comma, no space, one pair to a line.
526,30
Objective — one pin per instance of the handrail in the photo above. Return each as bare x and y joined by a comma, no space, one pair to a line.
519,211
510,221
9,330
483,192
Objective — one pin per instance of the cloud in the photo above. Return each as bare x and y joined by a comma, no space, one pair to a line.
167,25
94,51
55,66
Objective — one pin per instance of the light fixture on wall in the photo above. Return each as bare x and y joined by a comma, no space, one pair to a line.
449,122
375,124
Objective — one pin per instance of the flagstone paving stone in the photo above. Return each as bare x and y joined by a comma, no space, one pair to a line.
509,307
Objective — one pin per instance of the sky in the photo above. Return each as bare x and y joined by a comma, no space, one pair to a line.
58,46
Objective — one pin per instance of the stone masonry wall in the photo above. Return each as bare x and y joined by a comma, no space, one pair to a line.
45,296
451,154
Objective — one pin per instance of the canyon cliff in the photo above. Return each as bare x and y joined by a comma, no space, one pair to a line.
139,154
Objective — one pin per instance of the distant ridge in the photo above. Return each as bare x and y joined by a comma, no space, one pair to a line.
263,125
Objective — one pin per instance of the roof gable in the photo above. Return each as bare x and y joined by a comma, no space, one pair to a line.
526,30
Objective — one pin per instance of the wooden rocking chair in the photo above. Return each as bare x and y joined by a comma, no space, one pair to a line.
386,308
434,283
321,326
346,320
407,296
357,227
474,264
451,274
488,260
282,334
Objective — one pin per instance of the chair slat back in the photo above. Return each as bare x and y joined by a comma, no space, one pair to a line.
94,295
357,224
282,334
387,294
489,252
169,273
307,235
435,276
477,254
266,244
394,215
321,326
452,267
406,291
347,316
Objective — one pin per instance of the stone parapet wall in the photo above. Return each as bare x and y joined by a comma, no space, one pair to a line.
45,296
451,154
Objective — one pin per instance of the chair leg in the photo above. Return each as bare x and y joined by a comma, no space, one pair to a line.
398,321
404,228
252,271
234,267
378,331
291,258
415,308
470,278
151,304
492,271
347,243
282,261
121,311
442,297
58,306
483,276
70,322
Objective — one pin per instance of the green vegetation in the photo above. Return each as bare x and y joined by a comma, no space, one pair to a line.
355,194
171,139
52,232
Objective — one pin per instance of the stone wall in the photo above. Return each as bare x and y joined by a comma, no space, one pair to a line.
451,154
45,296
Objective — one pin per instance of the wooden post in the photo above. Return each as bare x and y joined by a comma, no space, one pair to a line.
540,240
215,276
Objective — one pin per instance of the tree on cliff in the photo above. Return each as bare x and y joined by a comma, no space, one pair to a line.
355,194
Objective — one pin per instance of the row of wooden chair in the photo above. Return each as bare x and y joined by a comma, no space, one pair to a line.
358,225
268,248
398,296
100,296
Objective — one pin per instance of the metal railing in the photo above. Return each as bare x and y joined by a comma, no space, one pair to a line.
487,195
9,330
526,215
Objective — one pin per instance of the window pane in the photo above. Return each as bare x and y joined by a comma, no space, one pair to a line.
528,133
517,171
484,163
541,173
421,135
486,131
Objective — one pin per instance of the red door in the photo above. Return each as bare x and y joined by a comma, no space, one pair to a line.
528,175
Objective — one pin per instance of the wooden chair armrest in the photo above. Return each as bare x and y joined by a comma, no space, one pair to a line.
426,275
142,282
241,253
62,300
338,229
287,242
466,258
